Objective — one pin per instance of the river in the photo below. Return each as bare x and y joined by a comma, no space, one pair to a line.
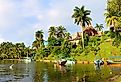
50,72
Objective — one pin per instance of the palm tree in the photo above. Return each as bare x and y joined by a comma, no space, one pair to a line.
99,26
61,32
111,19
81,18
35,45
52,31
19,49
39,38
67,36
39,35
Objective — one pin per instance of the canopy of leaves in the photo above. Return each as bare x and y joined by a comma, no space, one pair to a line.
81,16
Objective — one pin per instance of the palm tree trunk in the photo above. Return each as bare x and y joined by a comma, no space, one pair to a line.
82,38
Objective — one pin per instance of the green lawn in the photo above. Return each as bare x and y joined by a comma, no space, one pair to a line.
106,51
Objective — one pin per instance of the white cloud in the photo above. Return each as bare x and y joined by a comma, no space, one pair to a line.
59,13
27,16
39,27
53,13
6,9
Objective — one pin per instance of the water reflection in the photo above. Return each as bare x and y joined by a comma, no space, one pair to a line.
45,76
60,68
50,72
18,71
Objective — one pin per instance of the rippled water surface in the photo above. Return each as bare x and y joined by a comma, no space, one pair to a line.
50,72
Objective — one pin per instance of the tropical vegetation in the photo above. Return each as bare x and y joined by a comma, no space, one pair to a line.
81,18
60,43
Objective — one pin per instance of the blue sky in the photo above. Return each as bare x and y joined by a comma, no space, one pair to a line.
20,19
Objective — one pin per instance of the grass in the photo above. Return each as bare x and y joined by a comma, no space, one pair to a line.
106,51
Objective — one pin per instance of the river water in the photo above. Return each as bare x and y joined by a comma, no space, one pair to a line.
50,72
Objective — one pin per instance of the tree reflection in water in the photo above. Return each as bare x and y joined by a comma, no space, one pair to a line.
50,72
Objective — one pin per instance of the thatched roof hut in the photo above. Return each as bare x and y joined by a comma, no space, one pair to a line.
90,31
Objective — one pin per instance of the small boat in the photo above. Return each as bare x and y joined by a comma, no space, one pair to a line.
113,62
70,61
98,62
67,61
27,59
62,62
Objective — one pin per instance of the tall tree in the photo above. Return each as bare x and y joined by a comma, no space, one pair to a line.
52,31
38,44
82,18
67,36
61,31
99,27
39,38
10,50
56,39
111,20
39,35
113,14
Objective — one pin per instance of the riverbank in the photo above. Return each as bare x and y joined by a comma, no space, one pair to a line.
119,79
116,78
54,61
78,61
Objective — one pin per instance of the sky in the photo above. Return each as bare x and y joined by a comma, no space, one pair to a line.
20,19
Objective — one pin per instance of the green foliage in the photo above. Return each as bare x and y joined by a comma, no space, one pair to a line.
38,45
99,27
86,39
39,41
61,45
58,41
10,50
66,48
113,14
82,18
117,39
113,18
114,7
